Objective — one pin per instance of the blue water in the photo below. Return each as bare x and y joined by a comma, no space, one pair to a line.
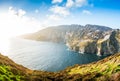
46,56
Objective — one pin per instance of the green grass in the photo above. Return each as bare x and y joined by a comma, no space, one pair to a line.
6,74
105,67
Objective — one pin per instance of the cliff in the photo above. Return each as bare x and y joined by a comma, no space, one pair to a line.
107,69
108,44
90,39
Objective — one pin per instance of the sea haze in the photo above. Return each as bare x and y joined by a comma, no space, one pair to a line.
46,56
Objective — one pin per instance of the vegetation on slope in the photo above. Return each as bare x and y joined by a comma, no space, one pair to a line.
100,70
107,69
10,71
6,74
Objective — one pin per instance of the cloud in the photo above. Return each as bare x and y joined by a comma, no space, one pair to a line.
11,10
63,11
80,3
58,13
54,17
56,1
86,12
16,22
19,12
76,3
69,3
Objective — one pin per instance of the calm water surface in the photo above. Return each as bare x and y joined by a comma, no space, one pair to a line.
45,55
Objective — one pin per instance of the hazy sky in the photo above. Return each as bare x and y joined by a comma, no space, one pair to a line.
23,16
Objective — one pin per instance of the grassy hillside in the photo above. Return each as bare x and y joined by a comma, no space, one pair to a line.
6,74
10,71
107,69
101,70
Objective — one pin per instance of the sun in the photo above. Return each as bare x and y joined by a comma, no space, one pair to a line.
10,26
15,22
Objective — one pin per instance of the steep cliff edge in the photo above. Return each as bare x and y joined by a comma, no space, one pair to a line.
90,39
107,69
110,43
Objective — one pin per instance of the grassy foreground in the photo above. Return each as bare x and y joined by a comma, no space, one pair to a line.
6,74
107,69
101,70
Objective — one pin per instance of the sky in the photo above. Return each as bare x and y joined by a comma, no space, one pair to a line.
25,16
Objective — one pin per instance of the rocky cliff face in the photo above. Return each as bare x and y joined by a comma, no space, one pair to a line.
90,39
107,44
110,45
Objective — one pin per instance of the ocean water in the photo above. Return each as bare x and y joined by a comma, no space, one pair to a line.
45,56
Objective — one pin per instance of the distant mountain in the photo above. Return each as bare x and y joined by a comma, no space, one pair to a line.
59,33
107,69
91,39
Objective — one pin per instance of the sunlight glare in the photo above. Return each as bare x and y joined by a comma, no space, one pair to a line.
10,26
15,23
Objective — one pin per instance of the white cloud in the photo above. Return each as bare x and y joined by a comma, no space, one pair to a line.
57,1
19,12
11,10
63,11
86,12
76,3
60,12
69,3
15,22
54,17
80,3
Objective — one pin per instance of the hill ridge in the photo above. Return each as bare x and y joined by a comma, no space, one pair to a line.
90,39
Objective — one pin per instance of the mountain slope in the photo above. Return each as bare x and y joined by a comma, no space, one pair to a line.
12,71
90,39
107,69
59,33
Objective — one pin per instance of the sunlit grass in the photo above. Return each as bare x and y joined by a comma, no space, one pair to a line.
6,74
103,68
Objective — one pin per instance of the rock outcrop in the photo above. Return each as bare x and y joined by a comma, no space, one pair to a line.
109,44
90,39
